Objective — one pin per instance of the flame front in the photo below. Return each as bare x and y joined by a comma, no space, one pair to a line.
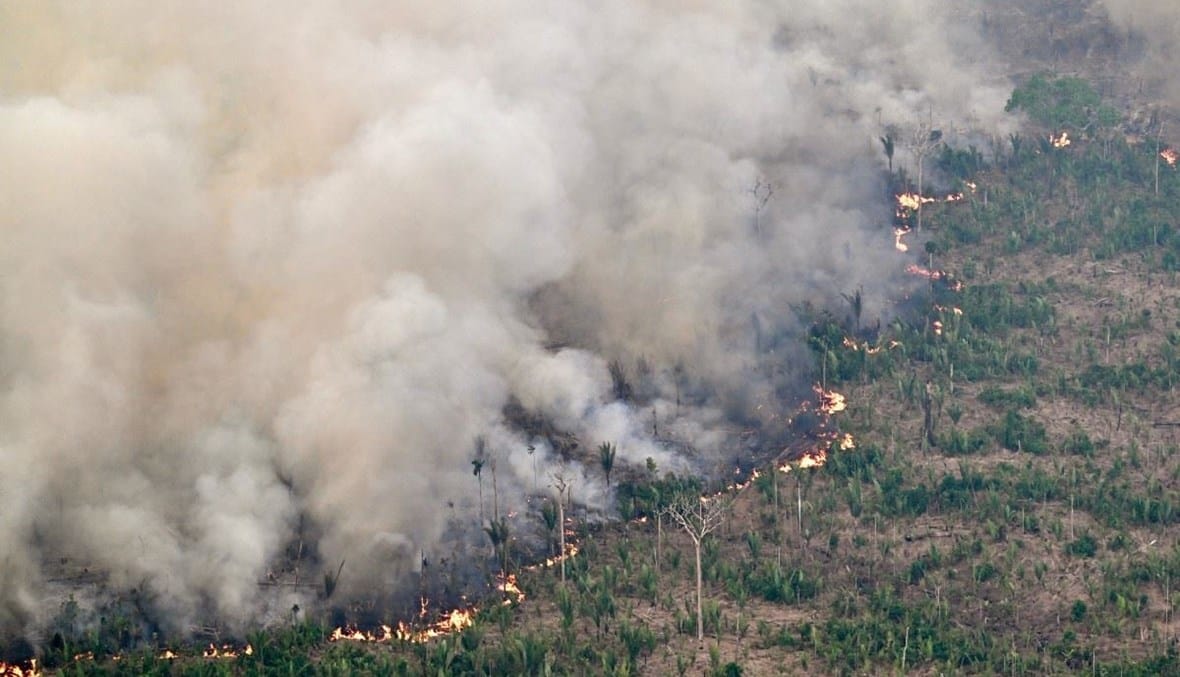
899,233
912,201
507,585
934,276
1170,156
830,401
227,651
1060,141
15,670
358,635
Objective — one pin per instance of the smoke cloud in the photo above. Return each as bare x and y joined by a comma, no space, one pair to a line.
270,264
1158,22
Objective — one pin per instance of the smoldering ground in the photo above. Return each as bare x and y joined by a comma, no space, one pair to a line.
270,264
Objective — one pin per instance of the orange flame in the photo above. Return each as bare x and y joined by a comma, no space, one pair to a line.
912,201
934,275
871,350
830,401
168,655
14,670
226,651
358,635
1060,141
570,551
1170,156
899,233
813,459
507,585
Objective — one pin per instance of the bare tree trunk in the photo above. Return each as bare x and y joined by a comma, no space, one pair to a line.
495,493
659,539
799,498
921,157
561,535
1159,132
700,615
778,521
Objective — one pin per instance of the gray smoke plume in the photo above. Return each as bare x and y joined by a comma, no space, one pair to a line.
264,262
1157,22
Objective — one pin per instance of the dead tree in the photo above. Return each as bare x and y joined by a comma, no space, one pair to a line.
923,142
699,516
563,486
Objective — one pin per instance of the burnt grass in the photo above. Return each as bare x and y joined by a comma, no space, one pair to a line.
1027,524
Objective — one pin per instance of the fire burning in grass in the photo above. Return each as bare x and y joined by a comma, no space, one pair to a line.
570,551
451,622
814,459
870,349
455,620
912,201
935,276
899,233
14,670
1060,141
358,635
1170,156
507,585
226,651
830,401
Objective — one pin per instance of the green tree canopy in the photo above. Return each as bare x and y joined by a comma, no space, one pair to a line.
1062,103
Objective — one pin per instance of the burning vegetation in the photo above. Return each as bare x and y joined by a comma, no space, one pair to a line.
29,669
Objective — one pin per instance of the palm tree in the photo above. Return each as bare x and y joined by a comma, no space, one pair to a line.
549,518
497,531
606,455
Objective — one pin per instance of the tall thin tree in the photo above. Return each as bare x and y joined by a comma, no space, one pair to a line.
923,142
699,516
562,485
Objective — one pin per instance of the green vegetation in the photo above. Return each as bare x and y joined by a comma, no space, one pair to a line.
1062,103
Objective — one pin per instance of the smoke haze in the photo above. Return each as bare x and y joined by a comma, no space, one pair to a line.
1158,21
272,262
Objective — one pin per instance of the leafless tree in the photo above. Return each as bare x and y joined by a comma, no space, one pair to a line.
923,143
760,193
699,516
562,484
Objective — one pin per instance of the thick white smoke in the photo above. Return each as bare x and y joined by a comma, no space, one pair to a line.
267,260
